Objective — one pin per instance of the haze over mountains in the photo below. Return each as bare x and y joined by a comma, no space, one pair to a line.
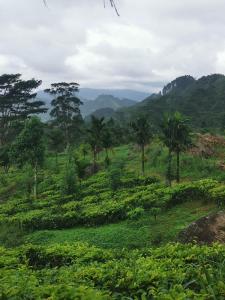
201,100
103,102
98,99
91,94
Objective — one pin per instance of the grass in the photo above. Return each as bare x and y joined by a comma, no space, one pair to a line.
144,232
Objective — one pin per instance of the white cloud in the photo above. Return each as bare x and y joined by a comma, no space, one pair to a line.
152,41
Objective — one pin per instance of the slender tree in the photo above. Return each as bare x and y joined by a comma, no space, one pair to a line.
167,130
107,144
176,136
29,147
65,107
182,139
95,137
143,134
5,157
56,142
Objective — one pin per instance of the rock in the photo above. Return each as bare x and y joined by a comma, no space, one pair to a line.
207,230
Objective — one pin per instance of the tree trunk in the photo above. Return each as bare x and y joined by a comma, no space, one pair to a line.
143,159
67,138
178,166
35,181
94,160
169,168
56,159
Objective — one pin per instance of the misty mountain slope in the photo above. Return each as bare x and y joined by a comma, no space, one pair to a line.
104,101
92,94
202,100
101,101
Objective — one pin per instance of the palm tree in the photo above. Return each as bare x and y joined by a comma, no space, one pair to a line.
142,130
182,139
95,137
167,130
176,137
107,143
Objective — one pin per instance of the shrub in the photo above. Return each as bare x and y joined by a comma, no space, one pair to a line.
11,234
135,213
114,179
69,184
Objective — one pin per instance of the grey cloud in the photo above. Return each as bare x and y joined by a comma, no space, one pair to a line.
151,43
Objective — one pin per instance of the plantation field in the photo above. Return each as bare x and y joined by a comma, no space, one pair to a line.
78,271
140,233
114,236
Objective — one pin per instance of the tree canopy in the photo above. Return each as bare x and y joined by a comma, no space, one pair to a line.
17,101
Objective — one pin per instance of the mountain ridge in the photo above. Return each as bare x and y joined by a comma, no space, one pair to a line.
201,100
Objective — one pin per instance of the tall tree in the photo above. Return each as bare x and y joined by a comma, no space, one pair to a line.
29,147
56,141
66,107
107,143
95,137
142,131
182,139
167,130
5,157
17,102
176,136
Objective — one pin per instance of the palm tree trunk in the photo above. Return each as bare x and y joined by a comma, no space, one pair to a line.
106,154
143,159
168,175
56,159
94,160
178,166
35,181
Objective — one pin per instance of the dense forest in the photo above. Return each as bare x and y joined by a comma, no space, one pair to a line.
95,208
202,101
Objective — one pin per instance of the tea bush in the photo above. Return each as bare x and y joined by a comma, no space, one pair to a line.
100,206
79,271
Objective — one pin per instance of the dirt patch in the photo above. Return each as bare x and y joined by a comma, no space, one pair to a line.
207,230
206,144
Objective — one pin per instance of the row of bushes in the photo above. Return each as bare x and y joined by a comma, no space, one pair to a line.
107,207
81,272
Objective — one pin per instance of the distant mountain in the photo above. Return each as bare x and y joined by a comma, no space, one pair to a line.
90,106
202,100
102,112
103,102
92,94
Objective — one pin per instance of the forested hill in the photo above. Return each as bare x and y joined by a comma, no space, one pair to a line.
103,102
202,100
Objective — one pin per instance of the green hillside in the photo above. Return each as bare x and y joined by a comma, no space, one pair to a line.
106,243
96,210
202,100
103,102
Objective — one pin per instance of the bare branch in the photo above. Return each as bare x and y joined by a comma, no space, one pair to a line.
112,2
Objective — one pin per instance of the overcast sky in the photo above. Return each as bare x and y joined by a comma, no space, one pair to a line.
152,42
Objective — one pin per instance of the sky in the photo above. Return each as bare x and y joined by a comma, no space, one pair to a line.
150,44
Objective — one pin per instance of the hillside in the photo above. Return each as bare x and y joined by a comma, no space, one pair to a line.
91,105
102,210
106,243
104,101
202,100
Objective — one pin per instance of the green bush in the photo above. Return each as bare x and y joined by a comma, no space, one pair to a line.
79,271
69,183
135,213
